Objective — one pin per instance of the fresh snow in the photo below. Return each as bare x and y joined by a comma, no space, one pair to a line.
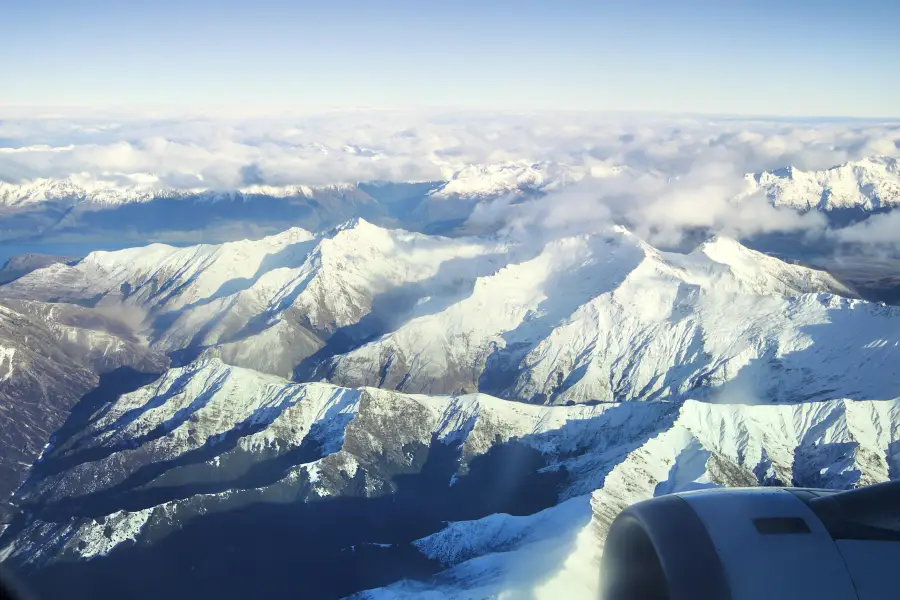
646,372
868,184
122,188
555,553
625,451
477,181
606,317
593,317
462,181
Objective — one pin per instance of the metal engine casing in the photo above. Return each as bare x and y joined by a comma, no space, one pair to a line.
756,544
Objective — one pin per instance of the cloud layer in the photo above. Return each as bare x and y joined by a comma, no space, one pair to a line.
351,147
677,173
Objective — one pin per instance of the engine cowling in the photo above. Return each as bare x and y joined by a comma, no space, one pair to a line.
757,544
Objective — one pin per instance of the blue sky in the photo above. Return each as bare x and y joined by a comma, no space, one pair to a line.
797,58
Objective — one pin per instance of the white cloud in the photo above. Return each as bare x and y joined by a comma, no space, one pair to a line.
681,172
349,147
660,208
878,230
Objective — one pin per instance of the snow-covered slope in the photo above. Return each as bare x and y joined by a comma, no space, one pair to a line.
750,371
476,181
126,189
606,317
271,303
22,264
211,436
593,317
453,202
158,275
555,553
209,443
867,184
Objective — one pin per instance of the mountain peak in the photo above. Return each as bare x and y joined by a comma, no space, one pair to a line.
765,273
870,183
477,180
354,223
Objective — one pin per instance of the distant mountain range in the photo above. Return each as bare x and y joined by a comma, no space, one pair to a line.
470,182
22,264
81,207
870,184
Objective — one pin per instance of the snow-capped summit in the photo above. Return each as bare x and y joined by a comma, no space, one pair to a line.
160,276
476,181
868,184
117,189
468,182
288,291
607,317
767,274
83,187
578,374
590,317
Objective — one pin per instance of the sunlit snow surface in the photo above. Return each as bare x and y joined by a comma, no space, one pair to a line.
870,183
550,555
647,373
555,553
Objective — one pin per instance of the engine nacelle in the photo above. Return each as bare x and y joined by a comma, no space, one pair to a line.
757,544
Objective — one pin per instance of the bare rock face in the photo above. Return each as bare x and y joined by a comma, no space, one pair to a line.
52,355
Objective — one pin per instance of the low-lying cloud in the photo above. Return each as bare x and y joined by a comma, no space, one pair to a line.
663,210
677,174
878,230
351,147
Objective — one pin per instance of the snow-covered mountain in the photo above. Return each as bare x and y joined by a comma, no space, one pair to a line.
143,207
22,264
593,317
50,356
643,372
127,189
271,303
493,180
555,553
871,183
868,184
72,210
471,181
150,474
606,317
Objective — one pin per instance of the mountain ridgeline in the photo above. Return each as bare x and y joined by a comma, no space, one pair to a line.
77,210
421,414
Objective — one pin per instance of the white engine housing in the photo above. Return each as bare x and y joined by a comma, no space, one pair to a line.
755,544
